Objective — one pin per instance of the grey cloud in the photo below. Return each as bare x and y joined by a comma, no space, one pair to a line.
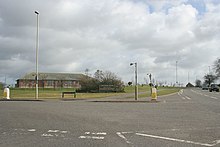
107,35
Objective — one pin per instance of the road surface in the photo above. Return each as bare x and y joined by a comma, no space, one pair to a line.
189,118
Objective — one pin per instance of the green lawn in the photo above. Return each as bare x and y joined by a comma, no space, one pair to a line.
56,93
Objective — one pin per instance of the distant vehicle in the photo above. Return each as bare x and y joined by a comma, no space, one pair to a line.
214,87
205,87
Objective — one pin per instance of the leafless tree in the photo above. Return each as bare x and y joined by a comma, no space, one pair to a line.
217,67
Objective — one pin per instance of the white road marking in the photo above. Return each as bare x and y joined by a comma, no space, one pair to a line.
47,135
206,128
214,97
173,139
53,131
31,130
98,137
91,137
64,132
205,95
180,93
123,137
98,133
187,97
125,132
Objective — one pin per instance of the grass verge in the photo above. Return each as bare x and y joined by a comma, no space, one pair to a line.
56,93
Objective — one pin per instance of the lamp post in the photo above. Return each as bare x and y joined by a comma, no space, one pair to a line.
209,77
150,75
136,86
176,73
37,47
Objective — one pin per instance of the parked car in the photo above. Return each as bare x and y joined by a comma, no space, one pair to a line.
214,87
205,87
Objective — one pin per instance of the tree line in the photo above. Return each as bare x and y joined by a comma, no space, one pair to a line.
211,77
101,82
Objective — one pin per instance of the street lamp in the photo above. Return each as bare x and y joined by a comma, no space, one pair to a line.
176,73
37,48
209,77
150,75
136,86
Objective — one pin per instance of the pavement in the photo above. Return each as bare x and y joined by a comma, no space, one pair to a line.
189,118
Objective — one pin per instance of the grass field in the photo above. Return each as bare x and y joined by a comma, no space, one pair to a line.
56,93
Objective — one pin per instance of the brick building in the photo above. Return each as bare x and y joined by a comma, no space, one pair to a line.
50,80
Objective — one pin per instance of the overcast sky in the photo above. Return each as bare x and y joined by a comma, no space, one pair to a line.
110,34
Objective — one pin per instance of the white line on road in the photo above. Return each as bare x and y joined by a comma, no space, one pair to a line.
64,132
205,95
47,135
98,133
98,137
178,140
187,97
31,130
92,137
184,97
123,137
126,132
53,131
214,97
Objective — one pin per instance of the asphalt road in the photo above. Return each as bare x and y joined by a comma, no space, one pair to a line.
189,118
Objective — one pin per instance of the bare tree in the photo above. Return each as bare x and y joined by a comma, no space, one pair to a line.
87,72
103,79
98,75
217,67
209,78
198,83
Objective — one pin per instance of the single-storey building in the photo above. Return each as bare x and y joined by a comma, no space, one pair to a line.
50,80
189,85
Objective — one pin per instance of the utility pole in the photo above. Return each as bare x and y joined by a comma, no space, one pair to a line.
209,77
37,48
188,76
209,70
150,75
136,86
176,72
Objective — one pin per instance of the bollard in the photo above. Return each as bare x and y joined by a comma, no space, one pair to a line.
154,94
6,93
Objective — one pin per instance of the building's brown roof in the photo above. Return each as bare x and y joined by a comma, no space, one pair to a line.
52,76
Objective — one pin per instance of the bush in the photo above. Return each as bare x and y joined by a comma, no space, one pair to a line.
103,80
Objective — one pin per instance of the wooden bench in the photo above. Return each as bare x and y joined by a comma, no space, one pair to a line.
69,92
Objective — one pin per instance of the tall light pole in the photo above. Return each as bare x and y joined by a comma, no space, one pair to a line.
37,48
136,86
209,76
150,75
209,70
176,72
188,76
